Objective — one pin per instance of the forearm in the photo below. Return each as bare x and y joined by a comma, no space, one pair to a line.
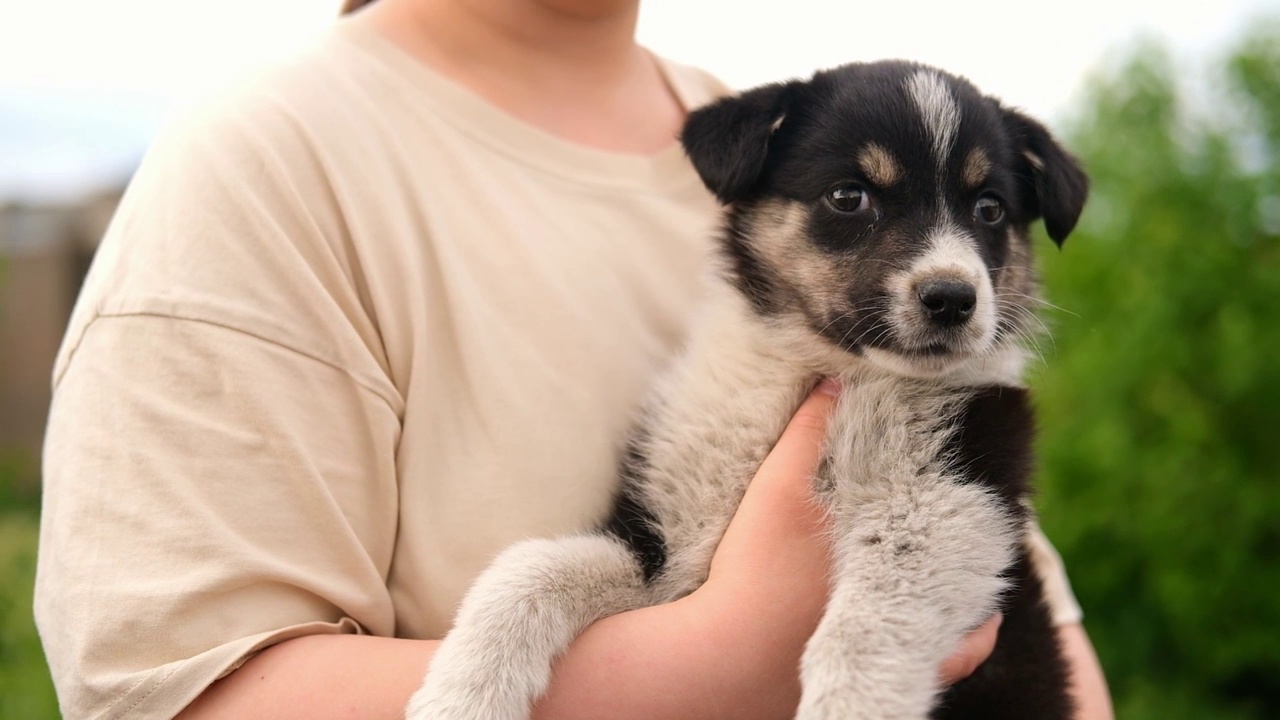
321,677
1088,684
619,668
679,660
645,664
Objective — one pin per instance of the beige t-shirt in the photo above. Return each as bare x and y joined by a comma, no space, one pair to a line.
352,331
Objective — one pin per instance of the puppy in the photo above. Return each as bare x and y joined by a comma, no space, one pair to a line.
876,230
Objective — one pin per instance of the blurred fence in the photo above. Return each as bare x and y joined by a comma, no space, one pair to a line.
45,250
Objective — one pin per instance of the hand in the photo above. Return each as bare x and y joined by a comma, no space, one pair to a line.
974,650
768,582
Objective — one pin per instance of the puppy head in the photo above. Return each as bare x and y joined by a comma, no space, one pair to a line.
885,207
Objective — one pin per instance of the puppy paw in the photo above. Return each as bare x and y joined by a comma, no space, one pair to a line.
847,674
458,698
522,612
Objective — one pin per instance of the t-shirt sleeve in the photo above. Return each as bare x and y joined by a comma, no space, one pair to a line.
1063,607
220,462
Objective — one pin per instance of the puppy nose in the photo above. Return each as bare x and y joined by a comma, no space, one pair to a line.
947,302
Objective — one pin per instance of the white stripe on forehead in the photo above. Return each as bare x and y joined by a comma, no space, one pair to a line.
938,109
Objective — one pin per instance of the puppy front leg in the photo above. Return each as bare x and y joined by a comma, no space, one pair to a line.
914,572
520,615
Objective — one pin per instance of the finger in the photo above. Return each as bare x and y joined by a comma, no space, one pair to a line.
974,650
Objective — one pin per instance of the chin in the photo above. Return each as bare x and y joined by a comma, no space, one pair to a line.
590,9
916,365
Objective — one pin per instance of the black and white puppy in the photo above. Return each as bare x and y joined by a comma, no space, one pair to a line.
876,231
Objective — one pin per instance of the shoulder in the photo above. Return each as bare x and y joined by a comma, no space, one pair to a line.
234,164
302,137
694,86
284,112
238,214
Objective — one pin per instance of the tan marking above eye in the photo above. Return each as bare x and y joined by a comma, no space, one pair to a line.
976,168
881,167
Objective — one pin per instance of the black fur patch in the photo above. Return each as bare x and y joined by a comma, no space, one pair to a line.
632,521
1050,180
1026,675
728,142
993,443
1025,678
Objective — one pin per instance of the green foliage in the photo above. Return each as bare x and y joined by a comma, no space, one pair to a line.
17,471
25,688
1160,396
17,492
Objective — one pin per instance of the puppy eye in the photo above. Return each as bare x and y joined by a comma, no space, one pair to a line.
849,198
988,210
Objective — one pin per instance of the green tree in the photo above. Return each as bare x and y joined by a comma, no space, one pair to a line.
1160,394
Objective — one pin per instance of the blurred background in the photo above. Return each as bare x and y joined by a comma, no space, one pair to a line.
1160,383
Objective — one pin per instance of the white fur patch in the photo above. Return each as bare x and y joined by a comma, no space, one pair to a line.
938,109
951,254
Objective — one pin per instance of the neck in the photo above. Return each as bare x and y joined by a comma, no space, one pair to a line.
570,67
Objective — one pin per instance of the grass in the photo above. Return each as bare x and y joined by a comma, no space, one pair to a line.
26,691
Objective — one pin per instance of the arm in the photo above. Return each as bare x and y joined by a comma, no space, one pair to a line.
640,661
320,676
729,650
1089,686
359,676
219,470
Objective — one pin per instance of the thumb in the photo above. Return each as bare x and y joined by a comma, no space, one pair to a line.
783,480
973,651
778,504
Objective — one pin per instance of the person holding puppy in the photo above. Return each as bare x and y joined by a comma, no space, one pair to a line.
368,318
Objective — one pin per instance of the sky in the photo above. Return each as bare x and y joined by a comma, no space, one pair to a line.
84,83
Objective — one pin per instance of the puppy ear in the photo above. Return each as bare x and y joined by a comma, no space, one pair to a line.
728,140
1054,186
